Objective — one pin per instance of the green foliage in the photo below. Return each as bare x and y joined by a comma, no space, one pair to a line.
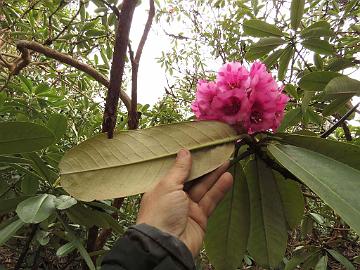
49,107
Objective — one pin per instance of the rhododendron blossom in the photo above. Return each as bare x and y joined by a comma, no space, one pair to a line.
250,101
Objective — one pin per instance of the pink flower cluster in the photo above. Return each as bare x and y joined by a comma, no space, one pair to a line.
250,101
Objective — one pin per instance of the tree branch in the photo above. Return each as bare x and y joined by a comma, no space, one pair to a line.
339,123
117,68
23,45
133,114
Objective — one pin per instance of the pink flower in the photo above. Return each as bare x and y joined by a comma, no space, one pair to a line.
206,91
250,101
231,107
232,76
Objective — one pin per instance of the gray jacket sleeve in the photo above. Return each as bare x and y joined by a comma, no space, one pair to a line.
145,247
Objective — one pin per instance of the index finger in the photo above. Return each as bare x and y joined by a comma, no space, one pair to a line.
197,192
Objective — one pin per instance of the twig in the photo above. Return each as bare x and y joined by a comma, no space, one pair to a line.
67,59
117,68
347,132
339,123
26,246
133,114
113,8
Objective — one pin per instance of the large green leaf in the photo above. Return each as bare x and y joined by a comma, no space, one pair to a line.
65,249
322,263
343,85
36,209
258,28
20,137
263,46
228,226
268,231
284,62
336,183
292,200
341,259
41,167
57,124
272,58
317,81
319,46
297,11
337,104
344,152
7,232
318,29
291,118
133,161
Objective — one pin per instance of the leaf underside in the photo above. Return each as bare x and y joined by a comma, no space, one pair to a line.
133,161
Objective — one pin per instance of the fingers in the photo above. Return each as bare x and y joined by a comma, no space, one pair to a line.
211,199
180,171
198,191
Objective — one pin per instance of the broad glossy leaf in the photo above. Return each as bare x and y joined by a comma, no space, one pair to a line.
133,161
86,216
337,104
284,62
29,185
341,151
336,183
36,209
299,258
341,259
268,232
10,230
319,46
297,11
258,28
322,263
228,226
263,46
291,89
343,85
272,58
41,167
291,118
21,137
317,80
318,29
64,202
337,64
318,61
65,249
292,200
57,124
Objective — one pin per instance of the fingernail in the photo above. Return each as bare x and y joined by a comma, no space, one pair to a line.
182,153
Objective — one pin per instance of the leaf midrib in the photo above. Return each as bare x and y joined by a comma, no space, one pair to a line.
194,148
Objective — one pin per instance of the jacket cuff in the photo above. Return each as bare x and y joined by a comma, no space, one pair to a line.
171,244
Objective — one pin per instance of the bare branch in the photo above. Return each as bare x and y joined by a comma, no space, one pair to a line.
67,59
118,65
339,123
133,114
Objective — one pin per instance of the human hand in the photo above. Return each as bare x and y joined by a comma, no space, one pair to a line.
184,214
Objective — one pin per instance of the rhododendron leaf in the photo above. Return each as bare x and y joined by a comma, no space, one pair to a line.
291,118
336,183
318,29
341,151
336,105
297,11
292,200
133,161
343,85
341,259
284,62
263,46
268,230
319,46
272,58
57,124
21,137
258,28
317,80
232,216
337,64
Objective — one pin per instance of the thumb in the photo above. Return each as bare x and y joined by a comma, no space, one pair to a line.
180,171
